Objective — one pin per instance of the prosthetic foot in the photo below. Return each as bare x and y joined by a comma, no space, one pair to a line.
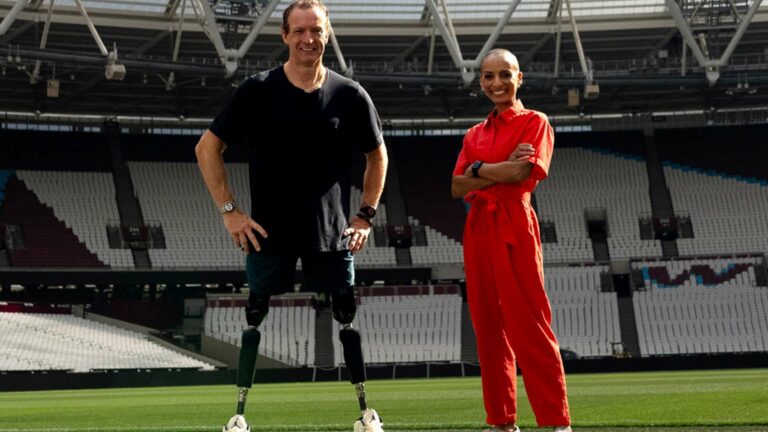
369,422
236,424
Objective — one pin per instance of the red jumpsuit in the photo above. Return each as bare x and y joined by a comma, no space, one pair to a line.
503,261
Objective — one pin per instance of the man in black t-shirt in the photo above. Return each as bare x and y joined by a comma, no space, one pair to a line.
300,123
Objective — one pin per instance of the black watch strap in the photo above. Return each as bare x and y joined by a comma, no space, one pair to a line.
367,213
476,168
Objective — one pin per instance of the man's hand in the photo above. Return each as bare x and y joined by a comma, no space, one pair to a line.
357,232
241,228
521,153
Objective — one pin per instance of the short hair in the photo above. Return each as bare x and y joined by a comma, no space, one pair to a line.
500,52
303,4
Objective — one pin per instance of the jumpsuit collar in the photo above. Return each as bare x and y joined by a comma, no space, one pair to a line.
508,114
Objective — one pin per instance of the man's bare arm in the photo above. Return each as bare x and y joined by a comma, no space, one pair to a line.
376,162
209,151
375,175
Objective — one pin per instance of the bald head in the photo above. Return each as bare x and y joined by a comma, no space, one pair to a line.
503,53
500,77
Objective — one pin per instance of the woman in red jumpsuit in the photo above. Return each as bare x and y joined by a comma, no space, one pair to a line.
502,160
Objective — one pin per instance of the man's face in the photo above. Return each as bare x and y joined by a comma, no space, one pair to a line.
500,78
307,35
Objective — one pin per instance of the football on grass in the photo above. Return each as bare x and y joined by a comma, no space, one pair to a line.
236,424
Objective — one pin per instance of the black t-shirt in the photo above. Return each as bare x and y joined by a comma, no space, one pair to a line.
300,145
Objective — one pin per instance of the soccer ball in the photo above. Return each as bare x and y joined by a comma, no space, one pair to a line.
237,424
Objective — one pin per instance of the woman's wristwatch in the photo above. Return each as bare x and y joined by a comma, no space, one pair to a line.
476,167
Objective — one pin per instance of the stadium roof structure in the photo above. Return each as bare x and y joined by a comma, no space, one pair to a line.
417,58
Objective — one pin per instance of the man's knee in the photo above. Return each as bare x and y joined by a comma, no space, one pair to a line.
256,310
343,306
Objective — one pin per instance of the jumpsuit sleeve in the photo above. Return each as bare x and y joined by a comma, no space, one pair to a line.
541,135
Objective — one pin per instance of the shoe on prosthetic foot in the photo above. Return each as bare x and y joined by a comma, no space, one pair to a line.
236,424
369,422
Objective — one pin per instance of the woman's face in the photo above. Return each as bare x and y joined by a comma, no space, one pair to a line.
500,78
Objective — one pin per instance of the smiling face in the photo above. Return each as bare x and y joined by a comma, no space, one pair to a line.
306,36
500,78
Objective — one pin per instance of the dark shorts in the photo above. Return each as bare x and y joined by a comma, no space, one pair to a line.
273,273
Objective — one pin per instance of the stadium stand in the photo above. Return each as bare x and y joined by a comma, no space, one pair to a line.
85,203
39,230
440,248
728,214
424,165
404,328
288,331
725,195
703,289
696,306
65,342
584,319
407,328
719,294
584,178
174,195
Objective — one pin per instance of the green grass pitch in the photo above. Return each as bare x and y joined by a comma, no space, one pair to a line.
688,401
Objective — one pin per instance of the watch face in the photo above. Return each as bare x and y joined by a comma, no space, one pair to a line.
228,207
370,211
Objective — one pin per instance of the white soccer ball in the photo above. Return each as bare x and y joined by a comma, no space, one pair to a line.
237,424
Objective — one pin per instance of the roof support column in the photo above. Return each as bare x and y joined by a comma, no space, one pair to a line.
208,23
579,48
171,81
92,28
11,17
467,67
711,66
43,42
346,70
261,21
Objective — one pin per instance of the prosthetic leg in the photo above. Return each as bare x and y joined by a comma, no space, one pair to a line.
344,308
249,350
247,365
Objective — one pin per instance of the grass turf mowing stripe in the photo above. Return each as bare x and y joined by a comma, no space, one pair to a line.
729,399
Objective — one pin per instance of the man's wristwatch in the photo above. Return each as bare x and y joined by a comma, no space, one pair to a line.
476,167
367,213
227,207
